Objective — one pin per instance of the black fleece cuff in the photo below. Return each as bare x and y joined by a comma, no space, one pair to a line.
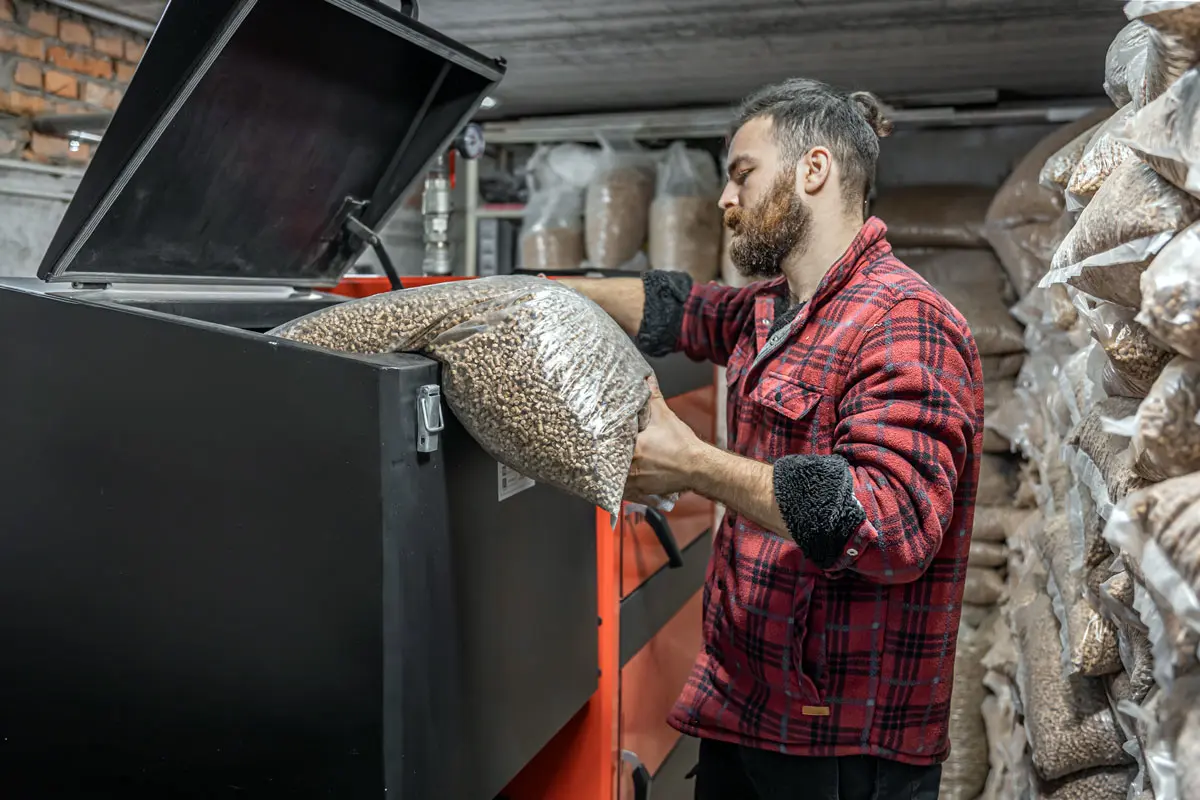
816,498
662,321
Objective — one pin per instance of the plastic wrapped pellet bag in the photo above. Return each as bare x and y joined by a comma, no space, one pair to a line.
1069,721
1102,155
1181,17
1166,514
552,224
1130,44
1100,460
1171,294
1135,359
1165,437
617,205
1166,133
552,233
1092,784
1153,60
1025,221
1132,216
685,220
538,374
1056,174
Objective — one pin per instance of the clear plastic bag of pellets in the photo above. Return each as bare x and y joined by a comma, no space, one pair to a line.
1159,528
1102,155
1180,17
1070,724
1129,45
1107,783
1024,222
1056,173
1171,294
539,375
617,205
1130,218
1135,358
552,229
1164,134
1164,433
552,233
1100,461
685,220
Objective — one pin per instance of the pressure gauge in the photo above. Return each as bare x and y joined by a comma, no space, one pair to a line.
469,143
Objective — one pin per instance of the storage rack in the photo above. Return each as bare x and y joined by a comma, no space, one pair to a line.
714,123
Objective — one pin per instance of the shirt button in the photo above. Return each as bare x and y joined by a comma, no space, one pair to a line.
852,552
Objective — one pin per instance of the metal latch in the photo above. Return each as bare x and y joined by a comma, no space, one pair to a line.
429,417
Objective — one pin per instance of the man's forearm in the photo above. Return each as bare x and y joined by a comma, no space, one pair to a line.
744,485
624,299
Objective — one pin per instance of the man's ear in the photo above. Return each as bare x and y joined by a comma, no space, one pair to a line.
813,171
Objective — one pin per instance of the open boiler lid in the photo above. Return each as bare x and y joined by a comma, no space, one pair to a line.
253,130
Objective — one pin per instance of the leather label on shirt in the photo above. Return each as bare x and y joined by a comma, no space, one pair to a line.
814,711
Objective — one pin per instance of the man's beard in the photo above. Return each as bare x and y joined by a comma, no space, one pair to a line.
771,231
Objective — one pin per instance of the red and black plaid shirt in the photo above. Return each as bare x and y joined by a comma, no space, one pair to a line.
857,658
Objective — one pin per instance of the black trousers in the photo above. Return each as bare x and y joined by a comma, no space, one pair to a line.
733,772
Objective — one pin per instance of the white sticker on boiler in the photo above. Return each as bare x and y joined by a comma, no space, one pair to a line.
510,482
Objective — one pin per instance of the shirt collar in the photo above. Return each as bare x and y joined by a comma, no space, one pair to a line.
869,244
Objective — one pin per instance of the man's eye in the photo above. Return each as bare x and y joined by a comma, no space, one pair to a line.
740,177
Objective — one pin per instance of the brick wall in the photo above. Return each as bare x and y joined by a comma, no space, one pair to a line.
56,62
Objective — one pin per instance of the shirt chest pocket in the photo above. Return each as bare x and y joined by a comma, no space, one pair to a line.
791,418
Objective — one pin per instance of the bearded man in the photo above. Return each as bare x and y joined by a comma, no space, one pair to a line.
833,596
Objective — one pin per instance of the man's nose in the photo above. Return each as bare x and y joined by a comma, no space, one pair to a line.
729,197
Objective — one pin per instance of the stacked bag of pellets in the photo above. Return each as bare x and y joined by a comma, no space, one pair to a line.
617,206
539,375
1106,408
552,231
685,218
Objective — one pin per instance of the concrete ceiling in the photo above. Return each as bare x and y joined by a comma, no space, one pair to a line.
598,55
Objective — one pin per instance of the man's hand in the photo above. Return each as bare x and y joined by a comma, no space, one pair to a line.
669,457
662,455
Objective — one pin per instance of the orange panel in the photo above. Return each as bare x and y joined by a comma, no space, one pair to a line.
651,682
641,554
580,763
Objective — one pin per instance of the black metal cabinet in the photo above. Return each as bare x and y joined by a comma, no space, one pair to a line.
224,564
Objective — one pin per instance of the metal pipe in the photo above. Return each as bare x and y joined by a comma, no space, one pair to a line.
436,207
127,21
